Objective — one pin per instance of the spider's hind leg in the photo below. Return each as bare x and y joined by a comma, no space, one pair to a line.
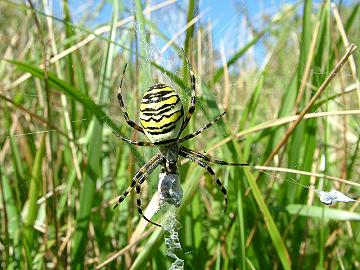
209,159
141,175
218,182
139,208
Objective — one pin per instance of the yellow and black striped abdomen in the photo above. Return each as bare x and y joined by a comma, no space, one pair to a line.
161,114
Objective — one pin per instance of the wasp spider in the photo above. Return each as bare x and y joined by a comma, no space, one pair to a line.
163,120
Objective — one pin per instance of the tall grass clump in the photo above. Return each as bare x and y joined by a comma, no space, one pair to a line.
288,79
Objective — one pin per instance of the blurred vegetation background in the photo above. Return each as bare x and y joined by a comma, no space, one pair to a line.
62,169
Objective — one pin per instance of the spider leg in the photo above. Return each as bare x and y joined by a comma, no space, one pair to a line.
209,159
133,142
122,106
193,95
139,208
200,130
143,172
211,172
138,190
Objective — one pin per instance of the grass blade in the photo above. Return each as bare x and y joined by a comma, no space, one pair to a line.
93,168
32,207
322,212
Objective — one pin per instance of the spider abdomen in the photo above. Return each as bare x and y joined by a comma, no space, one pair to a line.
161,114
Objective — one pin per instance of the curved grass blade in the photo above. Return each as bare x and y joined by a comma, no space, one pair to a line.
269,221
93,168
71,91
220,72
68,90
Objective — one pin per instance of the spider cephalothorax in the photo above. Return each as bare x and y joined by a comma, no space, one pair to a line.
163,120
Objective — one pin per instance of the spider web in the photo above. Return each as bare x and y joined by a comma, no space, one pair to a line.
170,196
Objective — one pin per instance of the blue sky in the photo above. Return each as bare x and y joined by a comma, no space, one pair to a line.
226,17
220,11
217,9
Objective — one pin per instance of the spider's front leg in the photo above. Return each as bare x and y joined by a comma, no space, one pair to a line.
200,130
122,106
193,95
133,142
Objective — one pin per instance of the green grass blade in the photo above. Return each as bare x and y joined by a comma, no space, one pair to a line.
32,207
220,71
70,91
93,168
13,224
269,221
322,212
14,146
145,71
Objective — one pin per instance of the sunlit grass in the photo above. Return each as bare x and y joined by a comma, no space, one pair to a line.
62,169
